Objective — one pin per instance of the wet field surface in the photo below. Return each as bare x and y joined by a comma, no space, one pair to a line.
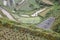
47,23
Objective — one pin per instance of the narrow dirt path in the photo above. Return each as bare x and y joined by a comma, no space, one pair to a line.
7,14
21,2
39,11
47,2
45,12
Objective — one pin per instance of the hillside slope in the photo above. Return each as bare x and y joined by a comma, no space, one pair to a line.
15,31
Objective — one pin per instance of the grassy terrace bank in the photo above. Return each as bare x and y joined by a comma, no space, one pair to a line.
30,20
32,30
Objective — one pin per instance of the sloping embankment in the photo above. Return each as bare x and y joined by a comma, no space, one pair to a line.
35,32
